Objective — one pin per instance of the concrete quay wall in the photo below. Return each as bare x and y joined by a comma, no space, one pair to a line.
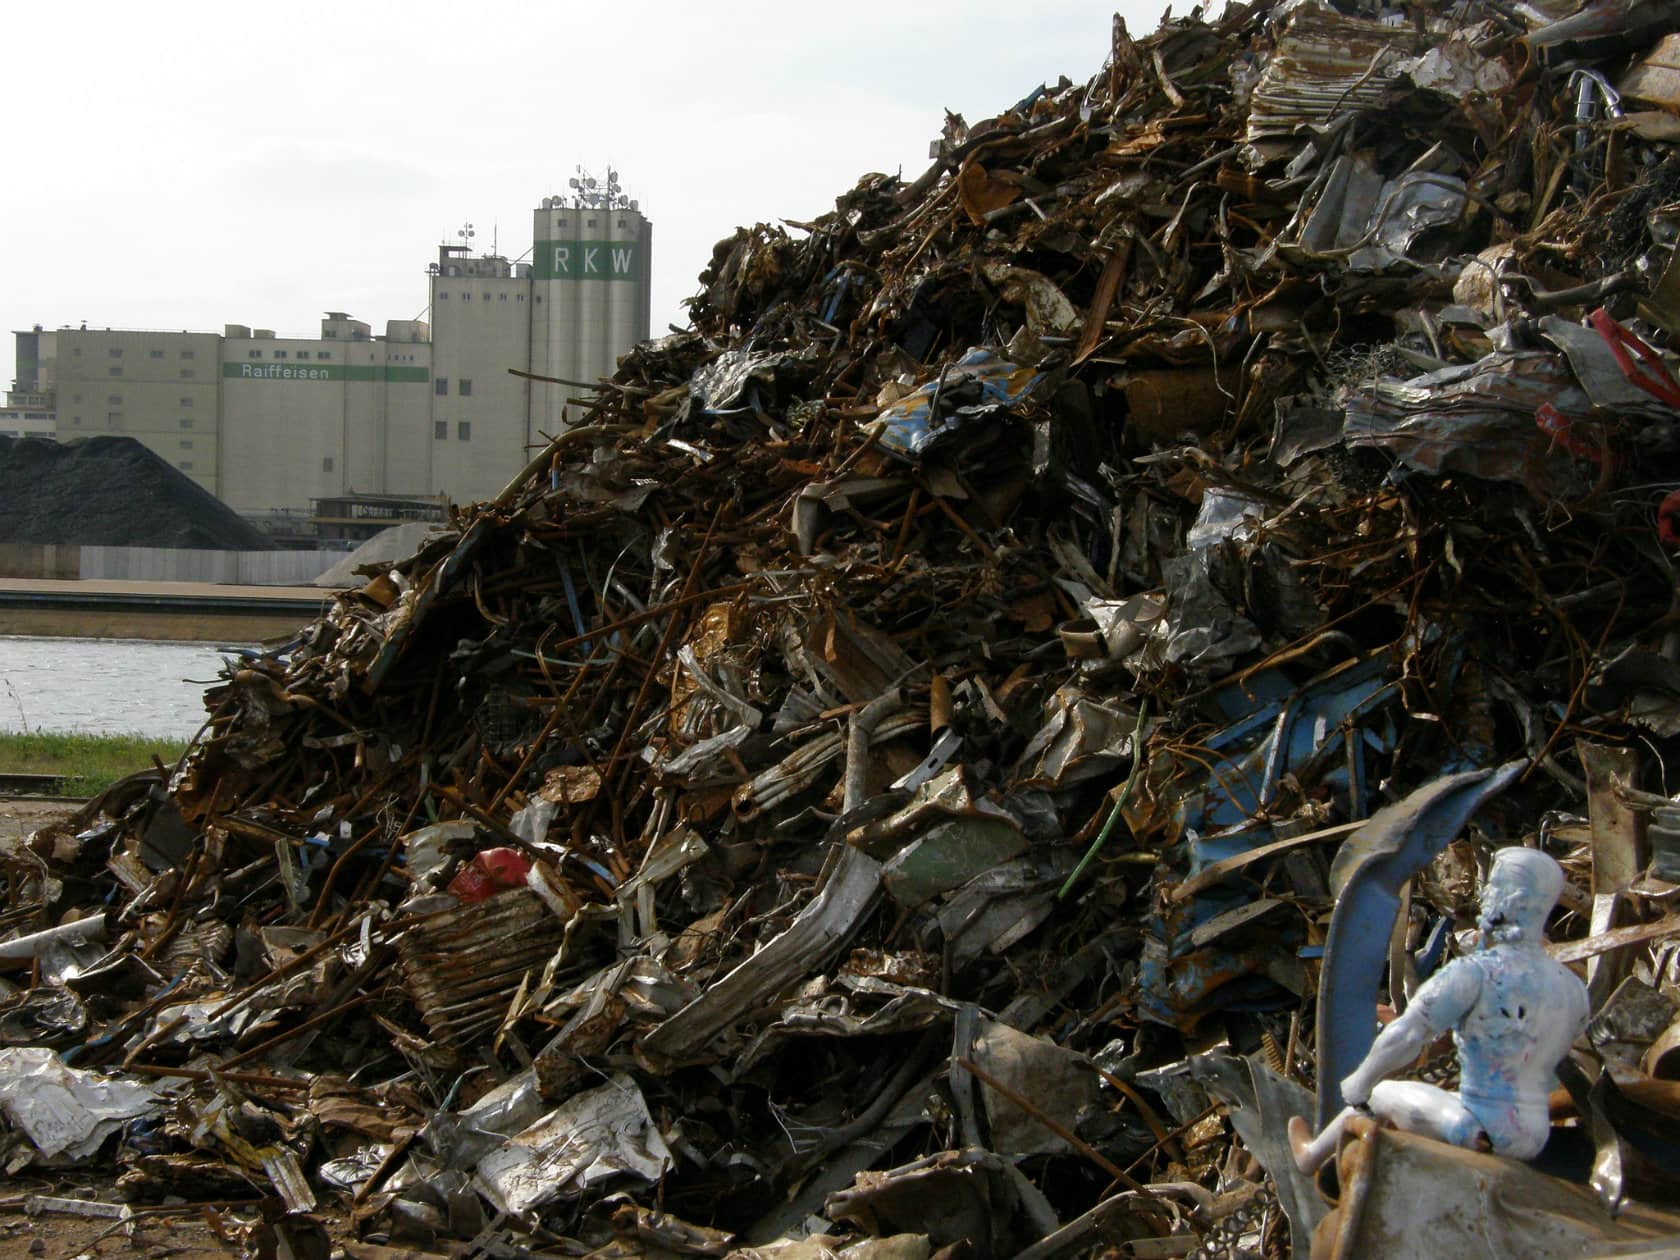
191,612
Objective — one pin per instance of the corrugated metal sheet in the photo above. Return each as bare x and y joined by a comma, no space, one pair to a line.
463,966
1326,65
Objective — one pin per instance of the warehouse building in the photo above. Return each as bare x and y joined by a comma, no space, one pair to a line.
272,425
29,403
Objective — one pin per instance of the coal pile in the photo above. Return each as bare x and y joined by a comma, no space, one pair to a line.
110,492
948,754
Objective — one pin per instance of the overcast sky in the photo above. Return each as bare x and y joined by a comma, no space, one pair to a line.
186,165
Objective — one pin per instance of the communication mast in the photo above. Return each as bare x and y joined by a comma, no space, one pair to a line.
590,193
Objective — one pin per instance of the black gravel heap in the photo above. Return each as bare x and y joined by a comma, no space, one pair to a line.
111,492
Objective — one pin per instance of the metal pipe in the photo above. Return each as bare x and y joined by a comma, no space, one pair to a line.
91,928
858,730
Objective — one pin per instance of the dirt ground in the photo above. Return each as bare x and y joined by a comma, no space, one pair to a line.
54,1237
20,816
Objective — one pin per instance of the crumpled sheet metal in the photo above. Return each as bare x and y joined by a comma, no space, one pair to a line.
1082,739
727,381
850,887
1291,739
1476,418
1404,1195
1374,223
979,386
594,1137
1594,366
65,1111
972,1196
1057,1081
1261,1103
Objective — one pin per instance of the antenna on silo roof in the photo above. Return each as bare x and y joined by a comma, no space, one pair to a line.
596,194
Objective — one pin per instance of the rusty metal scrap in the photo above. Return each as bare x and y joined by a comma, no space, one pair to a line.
971,642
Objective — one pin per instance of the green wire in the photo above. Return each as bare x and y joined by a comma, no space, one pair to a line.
1119,803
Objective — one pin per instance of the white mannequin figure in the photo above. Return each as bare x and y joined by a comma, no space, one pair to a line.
1514,1014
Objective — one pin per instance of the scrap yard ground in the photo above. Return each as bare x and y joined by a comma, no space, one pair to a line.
57,1237
20,815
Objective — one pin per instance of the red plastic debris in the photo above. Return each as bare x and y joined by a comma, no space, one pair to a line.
1550,421
490,872
1668,519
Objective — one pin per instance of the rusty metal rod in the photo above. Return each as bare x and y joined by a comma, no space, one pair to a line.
634,711
648,614
1060,1130
256,1079
297,964
554,716
280,1039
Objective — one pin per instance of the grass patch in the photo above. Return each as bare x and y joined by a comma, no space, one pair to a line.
87,763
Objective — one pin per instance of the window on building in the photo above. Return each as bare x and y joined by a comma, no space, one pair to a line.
186,374
76,352
188,354
440,387
253,354
589,223
186,402
539,298
114,419
484,296
464,387
185,465
186,444
443,297
75,398
323,354
440,430
521,297
621,223
501,297
560,222
155,354
115,352
76,420
186,422
463,431
116,371
279,354
326,463
466,297
114,398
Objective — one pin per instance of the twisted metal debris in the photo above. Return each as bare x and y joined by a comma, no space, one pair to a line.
876,781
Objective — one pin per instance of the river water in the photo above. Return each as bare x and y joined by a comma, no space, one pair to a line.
105,686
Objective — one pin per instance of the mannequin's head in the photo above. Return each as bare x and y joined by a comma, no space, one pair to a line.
1521,890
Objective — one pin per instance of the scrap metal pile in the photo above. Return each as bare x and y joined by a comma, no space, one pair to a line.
880,782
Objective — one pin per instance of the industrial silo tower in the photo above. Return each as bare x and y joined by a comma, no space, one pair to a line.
591,263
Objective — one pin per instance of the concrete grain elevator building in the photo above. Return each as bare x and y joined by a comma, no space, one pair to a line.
274,424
